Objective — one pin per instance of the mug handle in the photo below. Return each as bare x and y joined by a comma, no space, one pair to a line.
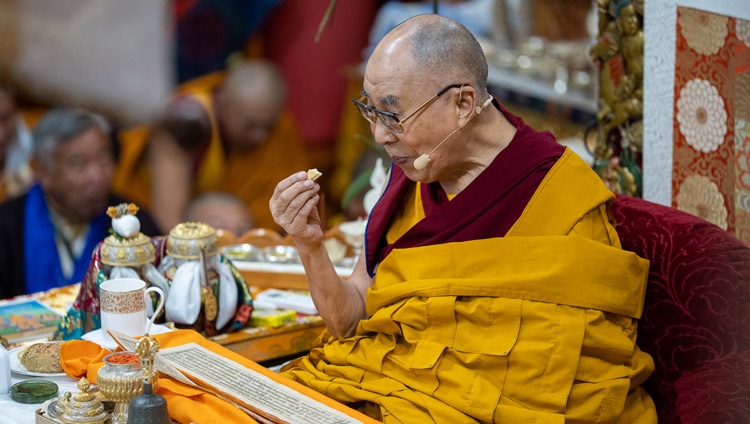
150,321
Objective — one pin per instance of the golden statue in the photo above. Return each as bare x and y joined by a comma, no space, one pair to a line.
618,53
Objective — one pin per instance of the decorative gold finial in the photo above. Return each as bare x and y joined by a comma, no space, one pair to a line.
83,396
146,348
83,408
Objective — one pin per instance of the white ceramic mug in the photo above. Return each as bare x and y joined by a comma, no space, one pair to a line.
122,303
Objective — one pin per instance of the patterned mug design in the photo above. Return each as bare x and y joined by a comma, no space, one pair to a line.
127,297
122,302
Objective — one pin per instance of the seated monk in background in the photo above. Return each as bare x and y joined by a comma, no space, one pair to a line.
492,287
226,132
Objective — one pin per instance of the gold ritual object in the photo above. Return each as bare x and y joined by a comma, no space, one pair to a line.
133,251
83,408
120,382
186,241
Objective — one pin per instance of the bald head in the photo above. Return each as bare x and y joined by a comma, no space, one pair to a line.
250,101
257,78
439,48
220,210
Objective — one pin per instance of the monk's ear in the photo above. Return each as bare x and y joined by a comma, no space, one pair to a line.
466,100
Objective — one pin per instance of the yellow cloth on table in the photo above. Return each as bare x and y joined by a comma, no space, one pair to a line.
517,329
185,403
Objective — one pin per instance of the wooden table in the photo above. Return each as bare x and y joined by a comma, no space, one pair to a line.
262,344
279,276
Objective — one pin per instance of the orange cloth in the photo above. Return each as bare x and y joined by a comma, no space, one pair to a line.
81,358
186,403
250,175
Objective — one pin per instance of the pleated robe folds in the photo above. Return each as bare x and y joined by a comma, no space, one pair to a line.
538,326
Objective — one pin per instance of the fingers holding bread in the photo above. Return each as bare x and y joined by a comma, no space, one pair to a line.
313,174
291,195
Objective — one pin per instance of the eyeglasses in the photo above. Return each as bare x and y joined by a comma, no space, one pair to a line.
389,119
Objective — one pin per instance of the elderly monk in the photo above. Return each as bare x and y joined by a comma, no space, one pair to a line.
493,287
48,235
226,132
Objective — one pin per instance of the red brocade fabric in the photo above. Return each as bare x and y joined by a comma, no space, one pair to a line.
696,319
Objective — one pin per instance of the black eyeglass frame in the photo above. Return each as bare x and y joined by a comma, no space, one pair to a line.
390,119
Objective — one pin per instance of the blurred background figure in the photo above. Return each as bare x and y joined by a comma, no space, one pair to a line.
476,15
47,235
114,58
208,32
221,211
15,147
226,131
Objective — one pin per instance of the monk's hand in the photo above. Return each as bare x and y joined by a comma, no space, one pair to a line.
294,207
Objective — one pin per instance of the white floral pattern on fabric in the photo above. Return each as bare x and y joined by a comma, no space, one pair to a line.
702,115
704,32
699,196
743,30
742,154
742,201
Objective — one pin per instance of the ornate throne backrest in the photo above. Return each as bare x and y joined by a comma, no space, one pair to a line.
696,319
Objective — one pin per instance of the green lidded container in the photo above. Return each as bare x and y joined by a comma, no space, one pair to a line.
33,391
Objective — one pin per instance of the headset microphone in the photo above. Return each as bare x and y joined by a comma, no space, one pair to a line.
421,162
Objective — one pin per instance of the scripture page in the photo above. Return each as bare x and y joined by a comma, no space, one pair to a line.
249,388
128,343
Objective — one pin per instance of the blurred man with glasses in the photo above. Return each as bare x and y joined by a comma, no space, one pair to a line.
492,286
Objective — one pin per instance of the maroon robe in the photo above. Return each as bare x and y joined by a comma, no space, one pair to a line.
487,208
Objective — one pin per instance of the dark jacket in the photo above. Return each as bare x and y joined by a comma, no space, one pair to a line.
12,273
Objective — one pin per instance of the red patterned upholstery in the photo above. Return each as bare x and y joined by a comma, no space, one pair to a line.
696,320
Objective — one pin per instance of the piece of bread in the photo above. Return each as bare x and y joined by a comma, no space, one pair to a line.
313,174
42,357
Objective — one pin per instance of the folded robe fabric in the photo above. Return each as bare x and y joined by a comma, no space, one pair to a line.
186,403
537,326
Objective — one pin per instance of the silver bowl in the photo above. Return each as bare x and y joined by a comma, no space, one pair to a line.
281,254
242,252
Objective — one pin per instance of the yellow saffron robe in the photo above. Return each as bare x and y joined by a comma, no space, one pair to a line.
538,326
250,175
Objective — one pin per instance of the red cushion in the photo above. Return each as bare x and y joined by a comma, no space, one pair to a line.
696,319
